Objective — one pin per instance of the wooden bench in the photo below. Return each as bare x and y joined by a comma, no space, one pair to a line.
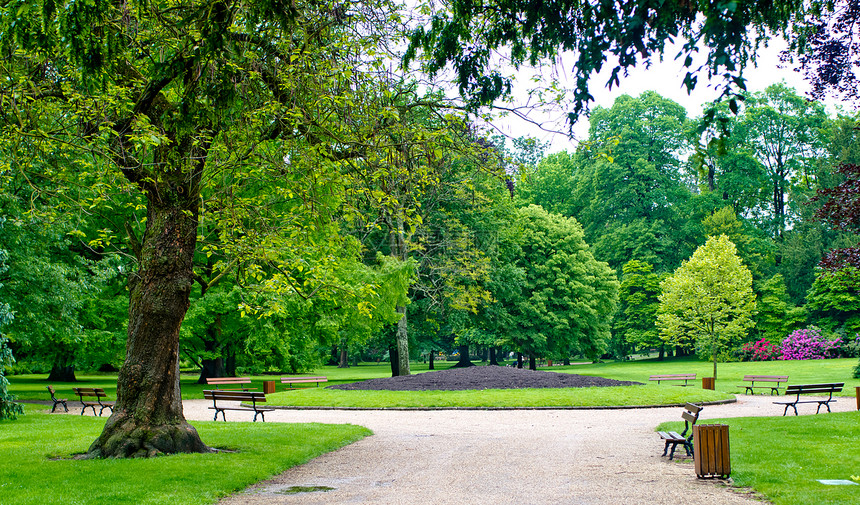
98,393
240,396
690,416
57,401
801,389
222,381
752,379
674,377
303,380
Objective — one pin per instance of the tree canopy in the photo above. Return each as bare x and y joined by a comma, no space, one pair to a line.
708,301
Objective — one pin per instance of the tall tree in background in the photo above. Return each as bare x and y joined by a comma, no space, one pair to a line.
709,299
784,133
568,296
629,191
636,324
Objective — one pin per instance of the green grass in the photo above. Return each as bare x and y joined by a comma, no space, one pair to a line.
783,457
730,375
30,472
488,398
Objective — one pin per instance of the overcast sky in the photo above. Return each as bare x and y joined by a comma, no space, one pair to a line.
663,77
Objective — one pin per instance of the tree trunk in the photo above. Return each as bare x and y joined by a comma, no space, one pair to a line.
519,360
493,360
148,419
464,357
212,367
432,360
532,362
62,373
344,356
715,365
392,355
402,344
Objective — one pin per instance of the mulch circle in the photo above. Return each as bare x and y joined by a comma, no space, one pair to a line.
483,377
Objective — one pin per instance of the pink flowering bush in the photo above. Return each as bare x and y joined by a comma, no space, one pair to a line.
763,350
809,343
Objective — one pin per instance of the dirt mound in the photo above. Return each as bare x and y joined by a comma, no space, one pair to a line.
483,377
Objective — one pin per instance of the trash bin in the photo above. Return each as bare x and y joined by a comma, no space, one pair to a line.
708,383
711,450
268,387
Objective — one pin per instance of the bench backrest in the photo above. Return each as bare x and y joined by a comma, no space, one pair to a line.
97,392
240,396
51,390
766,378
320,378
830,388
690,416
228,380
673,376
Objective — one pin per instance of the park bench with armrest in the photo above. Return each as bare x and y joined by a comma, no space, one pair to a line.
303,380
226,381
672,438
801,389
674,377
98,394
254,397
57,401
752,379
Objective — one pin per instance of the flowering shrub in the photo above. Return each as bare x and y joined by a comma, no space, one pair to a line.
763,350
809,343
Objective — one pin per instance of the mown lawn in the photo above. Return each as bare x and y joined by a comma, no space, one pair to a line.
784,457
36,466
730,375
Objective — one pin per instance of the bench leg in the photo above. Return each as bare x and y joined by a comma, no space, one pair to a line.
688,445
262,416
222,414
826,404
792,406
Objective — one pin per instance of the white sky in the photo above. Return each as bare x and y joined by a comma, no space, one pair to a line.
663,77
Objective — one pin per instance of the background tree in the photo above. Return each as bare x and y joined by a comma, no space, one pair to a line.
635,326
568,296
8,408
709,298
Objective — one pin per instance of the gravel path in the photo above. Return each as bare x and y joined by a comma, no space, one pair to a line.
500,457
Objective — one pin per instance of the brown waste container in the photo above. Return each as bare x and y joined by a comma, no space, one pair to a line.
268,387
711,450
858,397
708,383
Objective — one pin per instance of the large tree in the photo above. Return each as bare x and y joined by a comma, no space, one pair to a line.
567,297
708,301
242,104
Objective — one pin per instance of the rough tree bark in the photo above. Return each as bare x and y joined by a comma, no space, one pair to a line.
148,418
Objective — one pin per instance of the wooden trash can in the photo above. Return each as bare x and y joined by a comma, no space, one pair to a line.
708,383
858,397
711,450
268,387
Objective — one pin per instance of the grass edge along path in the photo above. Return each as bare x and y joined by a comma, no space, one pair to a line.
784,457
36,467
593,397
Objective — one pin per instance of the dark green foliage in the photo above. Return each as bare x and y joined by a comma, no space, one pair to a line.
636,324
567,297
